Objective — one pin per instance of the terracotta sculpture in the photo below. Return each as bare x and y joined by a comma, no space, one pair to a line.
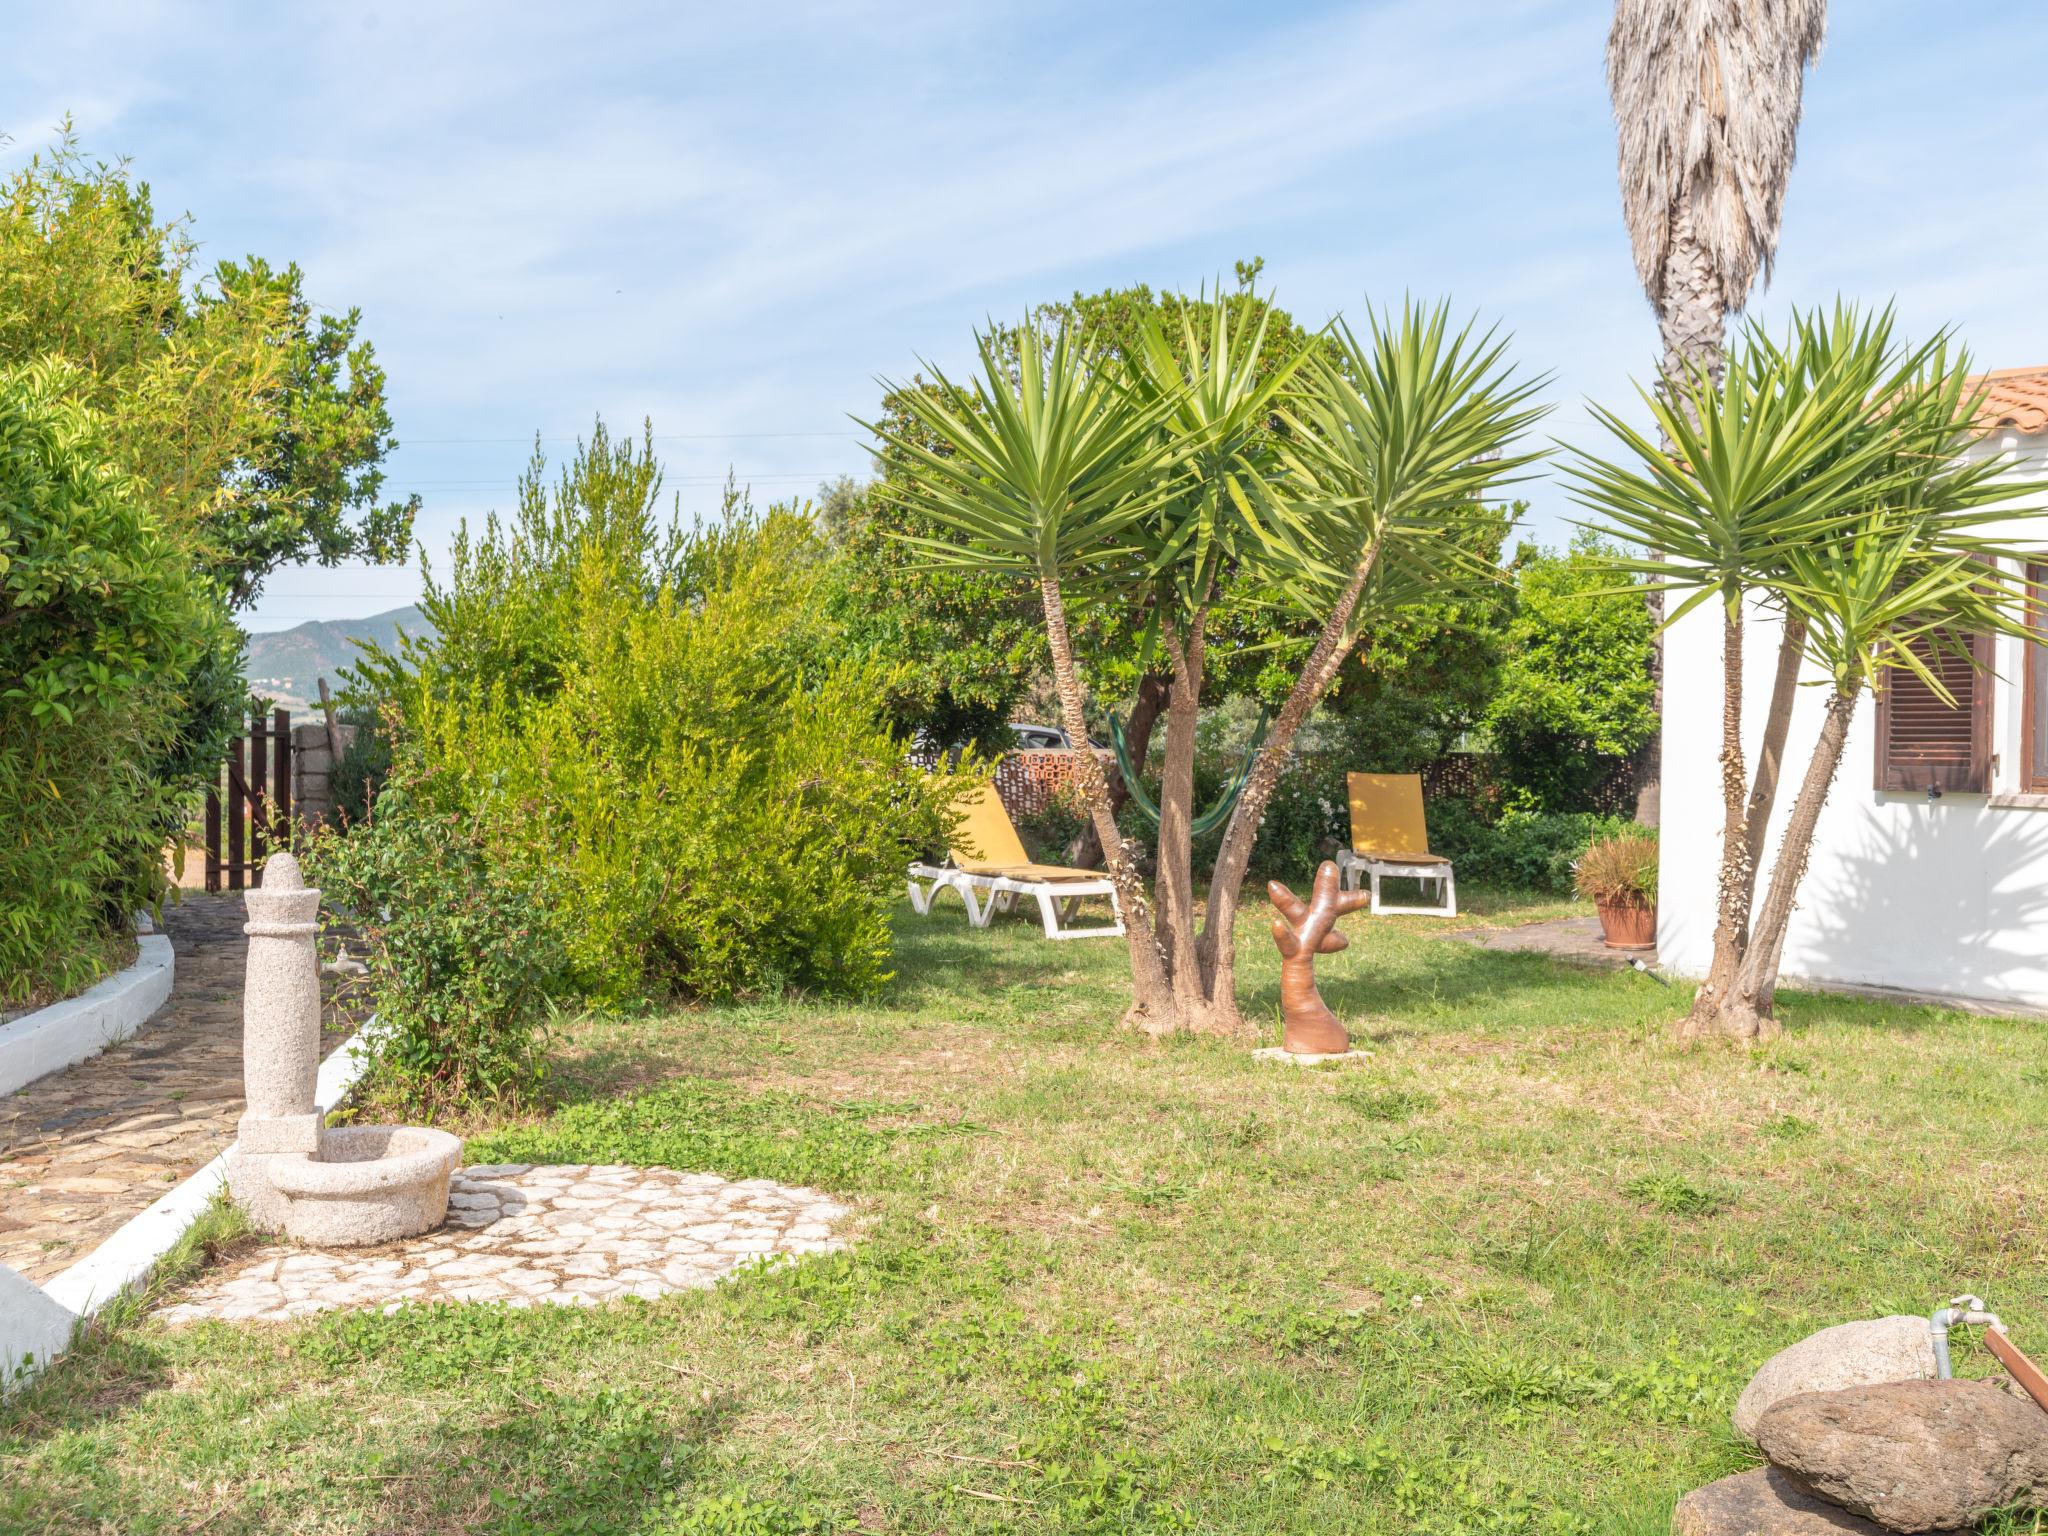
1304,930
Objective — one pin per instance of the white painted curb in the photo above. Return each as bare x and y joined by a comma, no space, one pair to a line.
55,1037
38,1322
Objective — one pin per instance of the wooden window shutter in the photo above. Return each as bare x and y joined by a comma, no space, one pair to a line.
1923,743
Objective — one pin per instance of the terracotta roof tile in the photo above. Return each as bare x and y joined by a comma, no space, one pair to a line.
2015,398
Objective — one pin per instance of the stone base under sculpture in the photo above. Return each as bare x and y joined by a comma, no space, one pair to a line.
1307,1058
366,1184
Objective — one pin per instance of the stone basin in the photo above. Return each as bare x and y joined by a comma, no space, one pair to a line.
366,1184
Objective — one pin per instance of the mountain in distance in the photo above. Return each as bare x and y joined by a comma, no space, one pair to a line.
286,664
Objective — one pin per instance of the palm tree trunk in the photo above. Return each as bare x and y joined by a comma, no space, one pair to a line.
1152,1005
1731,908
1763,796
1691,321
1218,948
1085,849
1176,881
1756,984
1691,318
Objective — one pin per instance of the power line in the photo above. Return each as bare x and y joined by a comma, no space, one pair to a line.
694,481
659,437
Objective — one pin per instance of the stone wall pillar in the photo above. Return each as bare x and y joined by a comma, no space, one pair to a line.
313,769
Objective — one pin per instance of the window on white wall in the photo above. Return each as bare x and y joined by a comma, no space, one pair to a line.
2034,705
1925,741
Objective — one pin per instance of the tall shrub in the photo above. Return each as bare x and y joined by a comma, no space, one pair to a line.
658,715
104,630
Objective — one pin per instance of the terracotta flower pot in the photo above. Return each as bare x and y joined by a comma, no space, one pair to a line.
1624,925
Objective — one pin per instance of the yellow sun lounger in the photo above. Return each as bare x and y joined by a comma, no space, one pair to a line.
988,857
1389,836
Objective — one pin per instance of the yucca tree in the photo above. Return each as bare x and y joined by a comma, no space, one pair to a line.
1707,97
1738,473
1390,445
1910,580
1802,454
1134,483
1052,468
1220,415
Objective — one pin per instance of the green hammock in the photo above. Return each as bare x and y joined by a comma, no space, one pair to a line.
1218,813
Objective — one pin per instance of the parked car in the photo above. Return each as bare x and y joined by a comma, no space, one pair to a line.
1039,738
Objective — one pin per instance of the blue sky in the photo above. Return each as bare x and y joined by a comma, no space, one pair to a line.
732,218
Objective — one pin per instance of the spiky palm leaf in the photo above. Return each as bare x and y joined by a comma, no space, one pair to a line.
1221,413
1390,445
1047,470
1798,444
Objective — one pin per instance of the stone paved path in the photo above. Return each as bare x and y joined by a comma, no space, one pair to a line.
520,1234
84,1149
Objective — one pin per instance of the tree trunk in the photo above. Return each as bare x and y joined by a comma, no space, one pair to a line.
1152,1005
1085,850
1691,322
1218,946
1691,317
1731,906
1756,984
1176,881
1763,796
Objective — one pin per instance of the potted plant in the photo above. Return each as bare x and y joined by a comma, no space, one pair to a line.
1619,876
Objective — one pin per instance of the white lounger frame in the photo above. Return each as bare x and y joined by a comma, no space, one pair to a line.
1350,866
1000,893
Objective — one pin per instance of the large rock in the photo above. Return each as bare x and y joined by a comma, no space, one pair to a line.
1913,1455
1850,1355
1763,1503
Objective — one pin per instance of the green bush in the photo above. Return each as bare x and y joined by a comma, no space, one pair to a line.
462,948
359,773
1576,697
1529,850
657,718
105,636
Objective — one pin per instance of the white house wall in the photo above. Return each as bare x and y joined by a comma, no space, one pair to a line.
1947,896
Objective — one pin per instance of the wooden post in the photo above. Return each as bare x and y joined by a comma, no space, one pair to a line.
333,731
281,772
213,832
259,796
237,799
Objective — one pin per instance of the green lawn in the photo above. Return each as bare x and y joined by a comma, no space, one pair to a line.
1507,1276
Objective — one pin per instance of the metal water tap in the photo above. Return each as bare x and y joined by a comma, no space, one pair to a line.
1961,1312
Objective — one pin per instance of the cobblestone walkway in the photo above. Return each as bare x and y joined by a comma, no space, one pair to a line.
521,1234
84,1149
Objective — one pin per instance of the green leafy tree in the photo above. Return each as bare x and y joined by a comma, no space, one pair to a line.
103,625
1426,673
258,427
968,647
1575,695
656,731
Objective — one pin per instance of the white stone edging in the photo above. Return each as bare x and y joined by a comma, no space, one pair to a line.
42,1325
105,1014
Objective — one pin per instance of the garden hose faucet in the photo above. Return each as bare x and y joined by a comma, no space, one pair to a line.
1961,1312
